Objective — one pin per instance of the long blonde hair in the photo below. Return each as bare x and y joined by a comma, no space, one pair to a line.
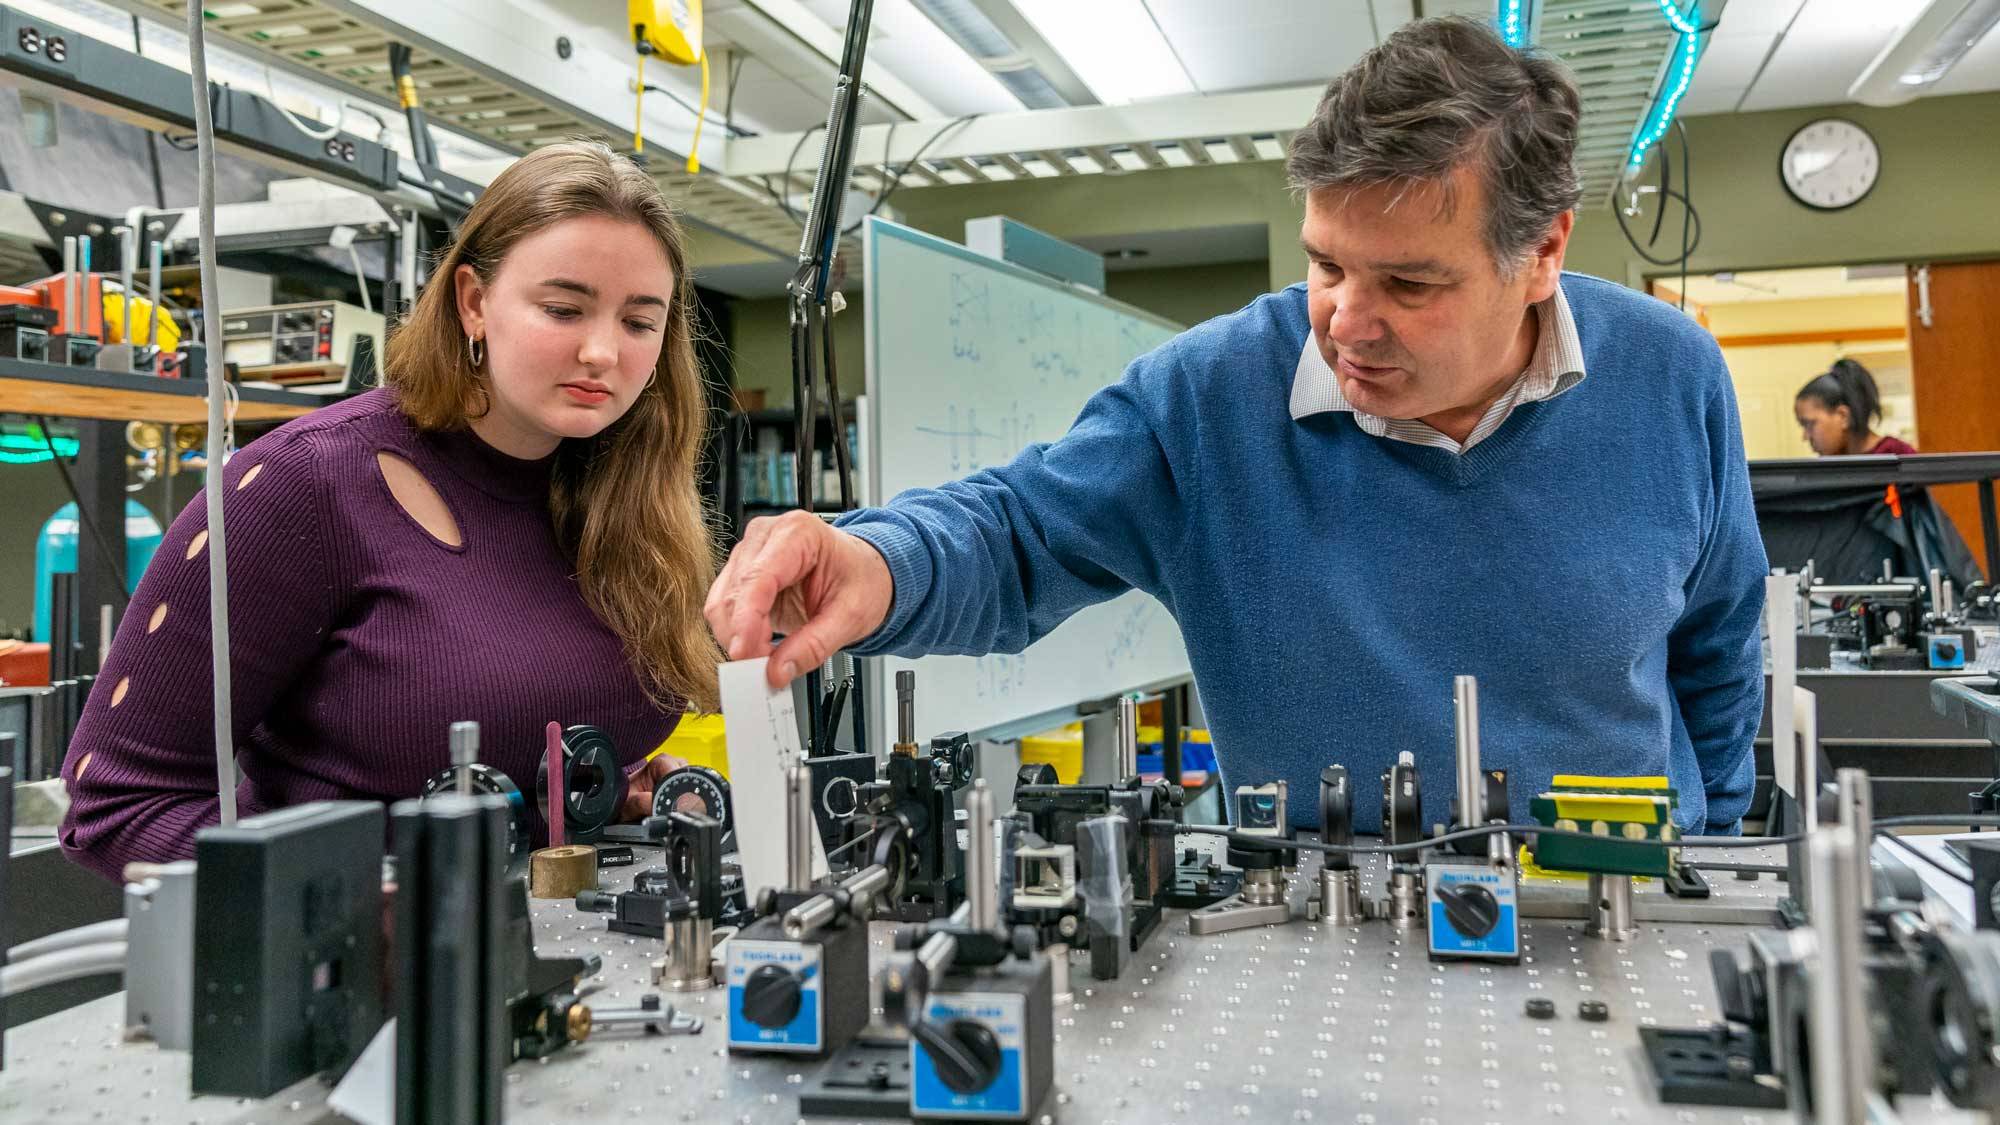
626,504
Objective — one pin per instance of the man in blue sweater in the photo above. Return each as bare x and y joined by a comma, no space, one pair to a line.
1439,455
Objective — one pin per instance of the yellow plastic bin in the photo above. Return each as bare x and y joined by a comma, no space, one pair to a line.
1061,748
700,741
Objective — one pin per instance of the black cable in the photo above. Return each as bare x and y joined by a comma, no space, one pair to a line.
785,200
1742,868
736,60
694,109
1934,865
1619,214
912,161
84,516
895,181
1939,820
1493,830
1687,207
1663,182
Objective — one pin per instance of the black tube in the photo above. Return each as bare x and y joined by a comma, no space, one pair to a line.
1990,529
842,468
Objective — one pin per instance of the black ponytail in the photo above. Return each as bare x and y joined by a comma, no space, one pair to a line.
1848,384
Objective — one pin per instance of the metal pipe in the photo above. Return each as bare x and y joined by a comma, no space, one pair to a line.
128,264
1465,702
819,911
1950,599
93,934
937,953
980,886
69,294
1875,590
153,294
82,285
74,963
1937,590
1842,1056
1128,738
798,828
464,752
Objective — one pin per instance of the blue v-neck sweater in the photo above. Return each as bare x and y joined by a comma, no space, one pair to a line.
1595,562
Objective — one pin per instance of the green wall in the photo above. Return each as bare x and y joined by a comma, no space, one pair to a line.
761,348
1191,294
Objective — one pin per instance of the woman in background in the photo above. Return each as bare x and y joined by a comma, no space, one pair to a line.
1838,411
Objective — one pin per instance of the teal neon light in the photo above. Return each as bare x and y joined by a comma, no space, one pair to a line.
1680,75
1513,22
26,449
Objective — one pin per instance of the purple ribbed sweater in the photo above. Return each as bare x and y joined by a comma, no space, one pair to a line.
356,639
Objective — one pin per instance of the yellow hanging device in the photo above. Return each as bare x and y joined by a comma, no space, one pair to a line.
672,30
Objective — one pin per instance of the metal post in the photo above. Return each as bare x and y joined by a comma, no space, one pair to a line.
1465,701
906,714
980,888
153,296
464,752
1170,735
1611,908
1842,1056
799,828
1128,738
1857,815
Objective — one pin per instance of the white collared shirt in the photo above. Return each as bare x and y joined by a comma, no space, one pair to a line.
1556,366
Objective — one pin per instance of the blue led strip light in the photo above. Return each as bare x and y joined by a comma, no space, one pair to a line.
1680,73
1513,22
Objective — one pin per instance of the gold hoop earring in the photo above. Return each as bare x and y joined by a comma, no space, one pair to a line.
475,350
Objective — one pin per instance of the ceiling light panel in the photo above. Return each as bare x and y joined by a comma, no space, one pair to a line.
1265,44
1828,45
906,43
1113,45
1978,71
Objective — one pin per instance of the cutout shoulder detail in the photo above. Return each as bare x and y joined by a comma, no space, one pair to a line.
419,499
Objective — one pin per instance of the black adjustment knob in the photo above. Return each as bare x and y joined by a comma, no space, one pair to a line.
1470,908
771,996
965,1053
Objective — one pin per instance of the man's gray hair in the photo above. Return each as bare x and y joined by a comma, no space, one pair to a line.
1444,93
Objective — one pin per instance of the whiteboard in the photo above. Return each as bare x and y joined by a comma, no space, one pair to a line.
971,360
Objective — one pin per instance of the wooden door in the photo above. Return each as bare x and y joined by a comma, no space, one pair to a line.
1955,366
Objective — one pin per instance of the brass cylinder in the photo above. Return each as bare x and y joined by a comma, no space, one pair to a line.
563,872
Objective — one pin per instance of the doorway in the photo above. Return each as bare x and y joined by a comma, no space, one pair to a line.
1778,329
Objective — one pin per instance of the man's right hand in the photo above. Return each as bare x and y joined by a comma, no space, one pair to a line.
797,575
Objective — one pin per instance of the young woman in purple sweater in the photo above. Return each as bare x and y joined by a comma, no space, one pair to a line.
509,531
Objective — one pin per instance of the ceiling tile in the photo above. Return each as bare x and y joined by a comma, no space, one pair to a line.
1828,46
1269,43
1756,16
1729,63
